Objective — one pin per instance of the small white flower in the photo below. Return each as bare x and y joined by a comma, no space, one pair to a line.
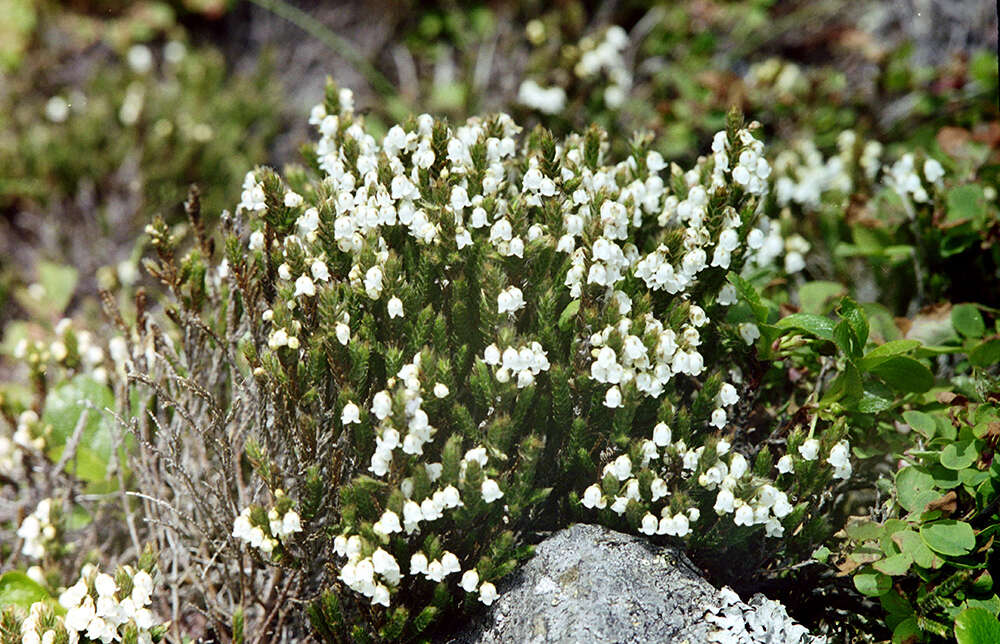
510,300
661,435
440,390
395,307
724,502
418,563
256,240
809,450
487,593
749,332
343,333
470,581
649,524
105,585
319,270
613,398
785,464
622,467
933,170
351,414
491,491
592,498
381,405
304,286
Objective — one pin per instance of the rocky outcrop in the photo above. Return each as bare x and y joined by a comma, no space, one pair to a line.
590,584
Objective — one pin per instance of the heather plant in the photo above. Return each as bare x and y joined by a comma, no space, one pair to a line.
398,334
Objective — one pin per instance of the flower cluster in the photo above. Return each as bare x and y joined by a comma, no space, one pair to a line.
605,56
521,363
40,529
266,530
98,608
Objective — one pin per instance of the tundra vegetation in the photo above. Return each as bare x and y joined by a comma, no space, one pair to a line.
669,282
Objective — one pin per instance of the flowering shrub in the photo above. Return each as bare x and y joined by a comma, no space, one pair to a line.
423,319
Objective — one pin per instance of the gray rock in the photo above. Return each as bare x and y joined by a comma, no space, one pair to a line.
590,584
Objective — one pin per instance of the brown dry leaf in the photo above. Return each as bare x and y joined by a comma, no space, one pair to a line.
949,397
953,139
988,133
947,503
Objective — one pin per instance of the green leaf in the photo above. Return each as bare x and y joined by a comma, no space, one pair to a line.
949,537
966,203
883,352
847,385
968,321
864,530
872,584
872,403
63,407
59,283
895,565
19,19
18,589
977,626
921,423
816,325
911,543
985,354
905,374
915,487
568,314
958,456
821,554
906,632
855,316
814,297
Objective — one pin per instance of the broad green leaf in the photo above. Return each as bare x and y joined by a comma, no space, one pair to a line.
821,554
911,543
815,297
885,351
846,386
985,354
566,317
907,632
864,530
816,325
944,478
18,589
843,337
968,321
871,403
59,283
958,456
966,203
915,487
921,423
895,565
872,583
977,626
905,374
63,407
855,317
949,537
